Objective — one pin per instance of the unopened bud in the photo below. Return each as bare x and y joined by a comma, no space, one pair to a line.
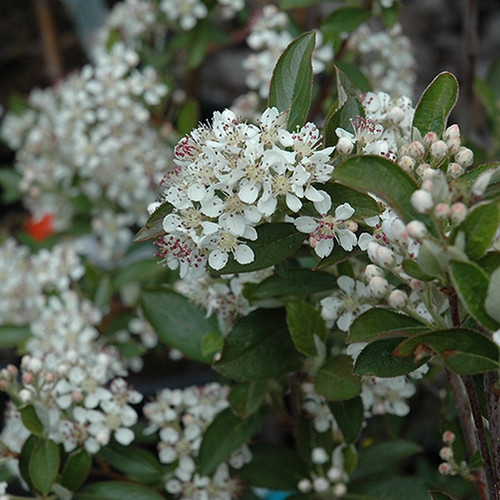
396,115
407,163
439,150
319,456
454,170
448,437
382,256
429,139
445,469
422,201
25,396
372,270
398,299
417,229
454,145
378,287
416,149
339,490
442,211
458,213
422,168
451,132
345,146
446,453
334,474
304,486
417,284
465,157
321,485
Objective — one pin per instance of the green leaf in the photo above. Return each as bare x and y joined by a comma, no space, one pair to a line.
154,226
414,269
471,284
31,420
275,242
365,206
292,79
13,335
336,380
378,322
247,397
393,488
349,415
44,465
259,347
200,38
297,4
103,292
9,181
439,495
224,435
138,272
345,19
305,323
435,104
464,351
480,227
116,490
377,359
178,322
25,459
492,301
76,469
275,467
345,109
211,343
136,463
355,75
188,118
383,178
295,282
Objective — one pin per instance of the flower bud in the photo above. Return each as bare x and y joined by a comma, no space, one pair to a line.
417,229
439,150
25,396
451,132
442,211
396,115
422,169
416,149
378,287
339,490
446,453
372,270
422,201
321,485
458,213
319,456
398,299
382,256
465,157
345,146
334,474
417,284
304,486
448,437
454,146
407,163
429,139
454,170
445,469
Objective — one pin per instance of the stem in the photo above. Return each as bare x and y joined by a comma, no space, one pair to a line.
492,391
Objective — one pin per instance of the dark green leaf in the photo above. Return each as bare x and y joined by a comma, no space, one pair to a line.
13,335
480,227
212,342
291,83
336,380
349,415
439,495
138,272
44,465
394,488
297,4
377,359
224,435
383,178
355,75
76,469
31,420
189,116
464,351
345,19
295,282
199,42
275,467
378,322
258,347
435,104
9,182
365,206
103,292
471,284
305,323
178,322
345,109
275,242
116,490
247,397
413,268
25,459
154,226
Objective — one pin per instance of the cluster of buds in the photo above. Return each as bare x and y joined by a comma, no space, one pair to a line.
449,466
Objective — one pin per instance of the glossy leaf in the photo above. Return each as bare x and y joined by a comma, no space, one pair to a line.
435,104
480,227
345,19
188,118
345,109
116,490
259,347
383,178
336,381
153,228
275,242
44,465
224,435
275,467
305,323
31,420
25,459
292,79
464,351
377,359
471,284
76,469
364,205
178,322
349,415
295,282
378,322
247,397
492,301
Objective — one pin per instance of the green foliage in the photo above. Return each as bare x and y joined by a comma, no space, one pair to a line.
9,183
44,464
76,469
116,490
335,379
13,335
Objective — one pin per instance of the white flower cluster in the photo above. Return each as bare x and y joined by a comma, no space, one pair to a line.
270,35
229,177
88,140
181,417
386,59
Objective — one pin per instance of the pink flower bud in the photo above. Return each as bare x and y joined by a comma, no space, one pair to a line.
417,229
446,453
422,201
417,284
458,213
416,149
454,170
27,378
382,256
439,150
398,299
451,132
407,163
429,139
448,437
465,157
442,211
445,469
454,145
